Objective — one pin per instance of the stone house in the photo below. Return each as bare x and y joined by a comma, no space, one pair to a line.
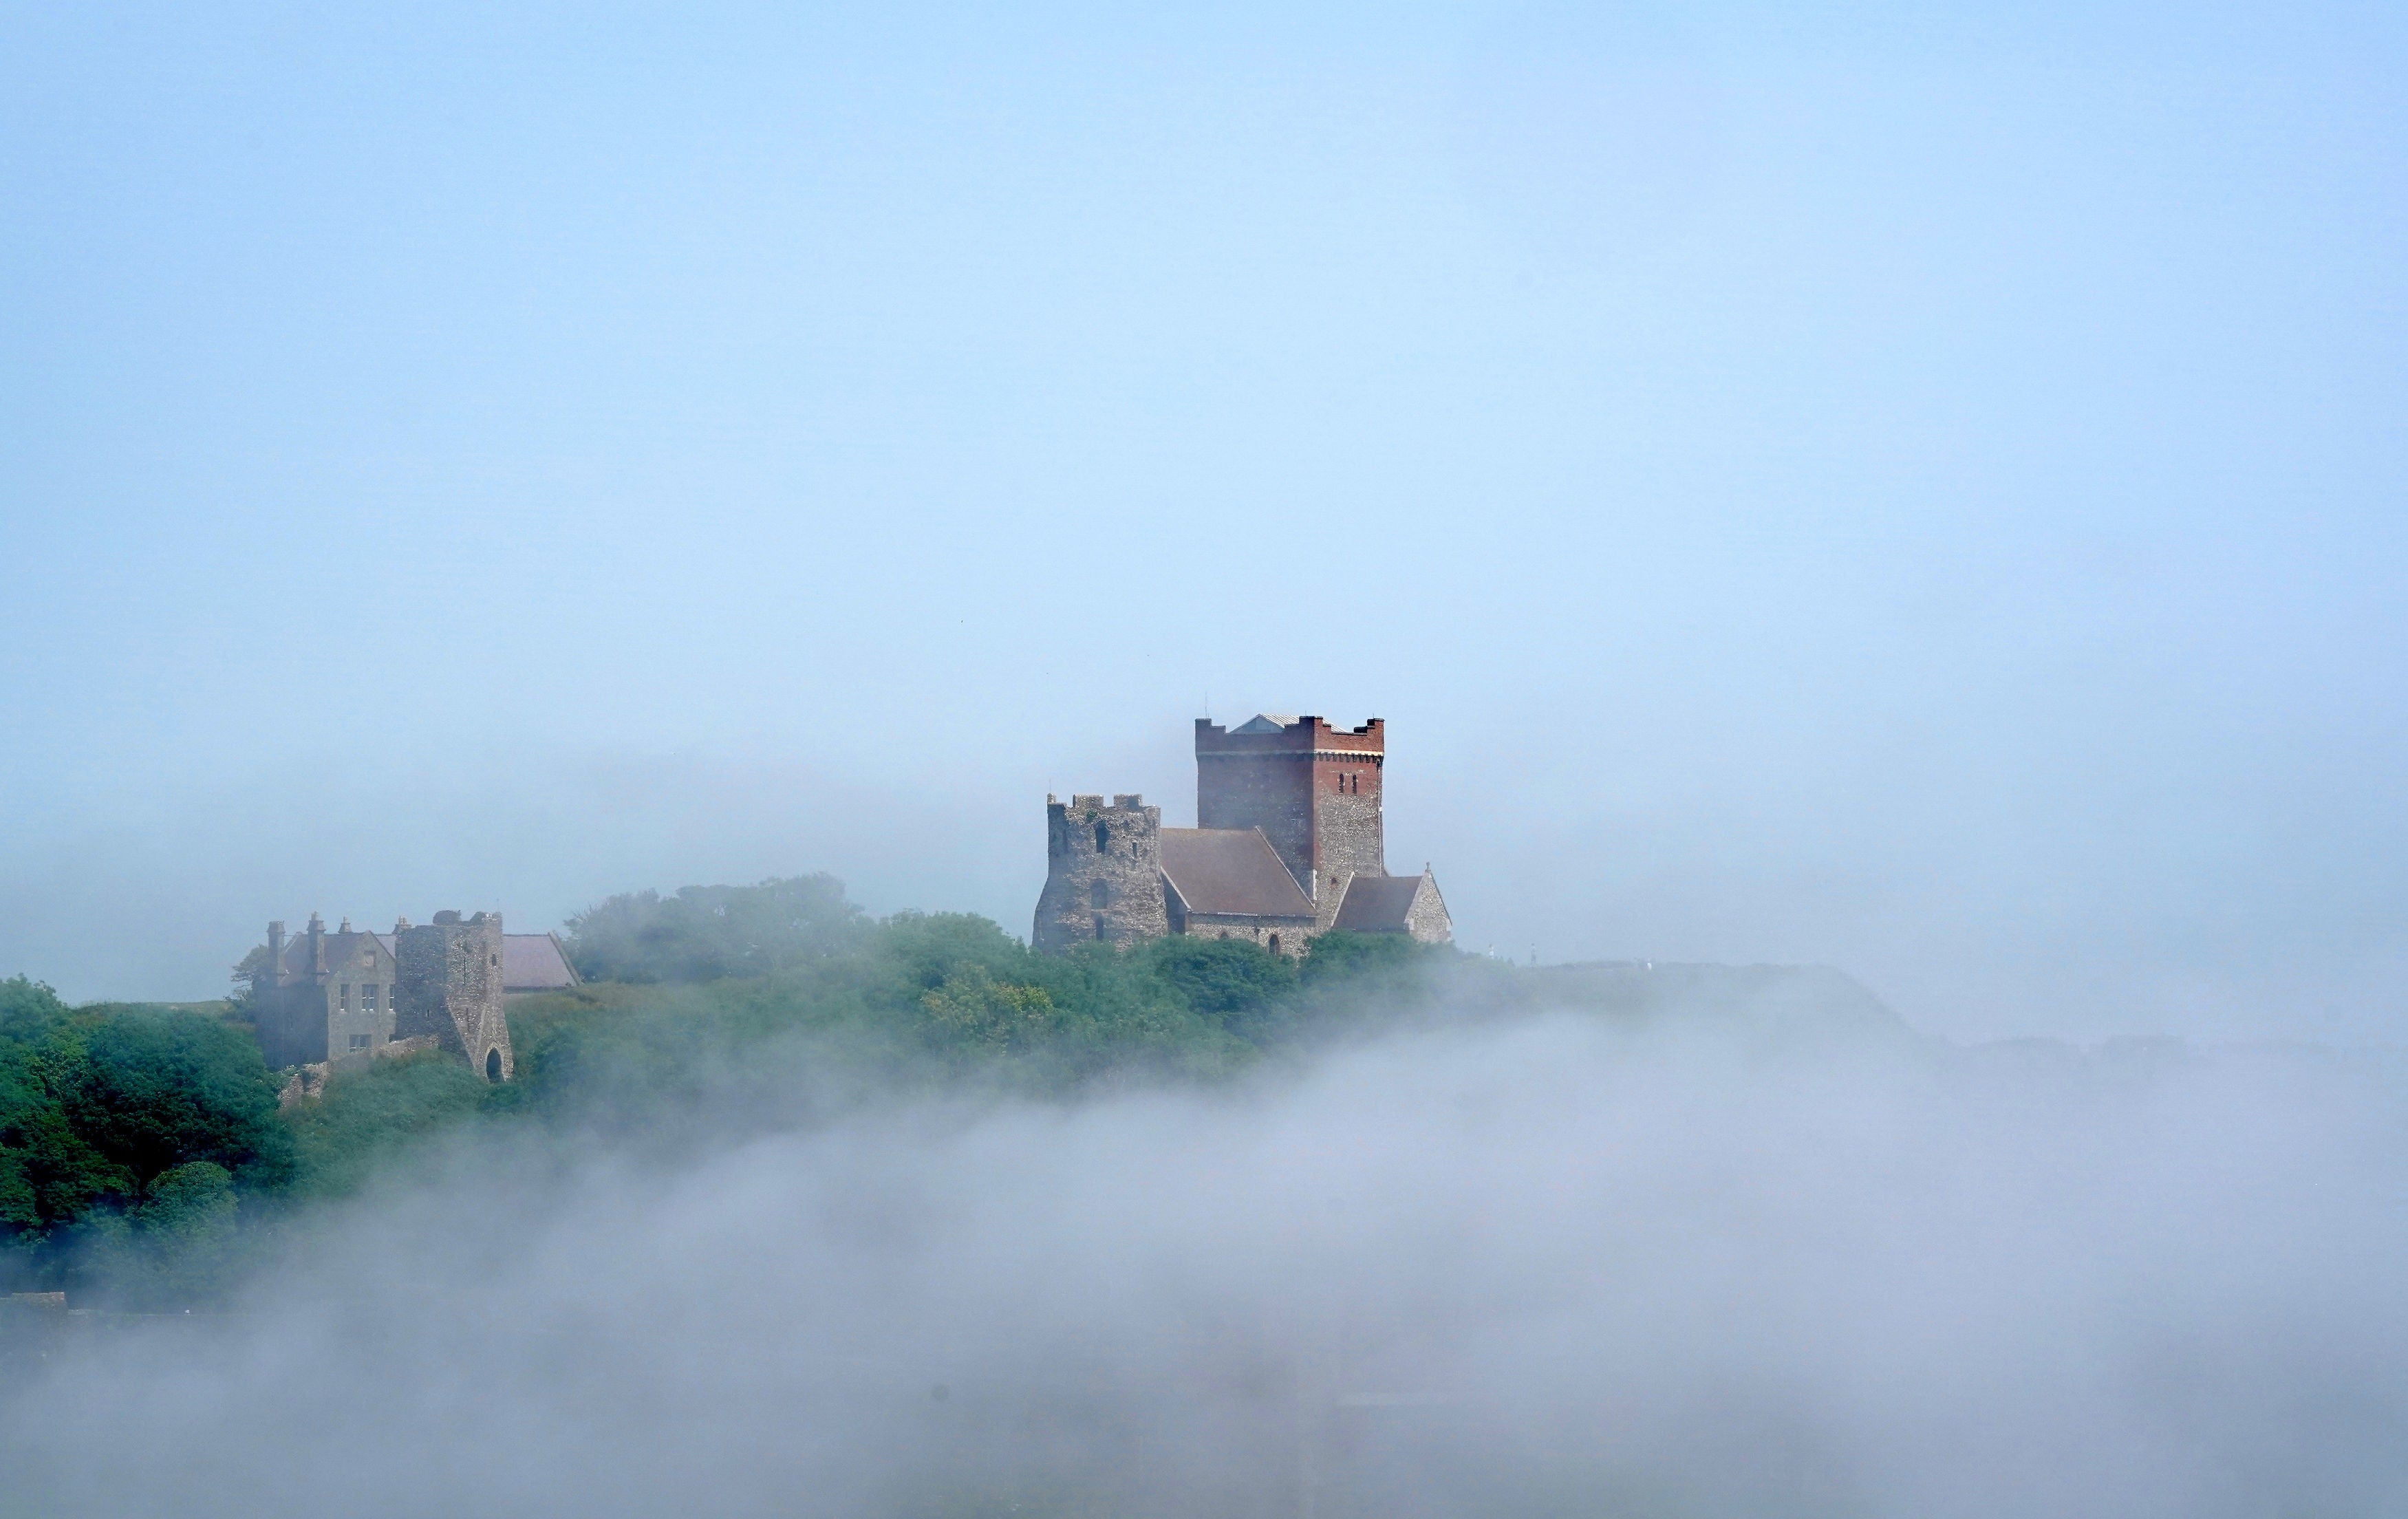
1288,843
350,994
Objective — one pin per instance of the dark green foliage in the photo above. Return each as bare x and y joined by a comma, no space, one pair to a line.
364,1117
1233,982
708,933
162,1090
1386,957
97,1106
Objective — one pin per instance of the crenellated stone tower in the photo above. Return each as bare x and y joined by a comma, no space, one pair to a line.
1312,787
449,984
1103,879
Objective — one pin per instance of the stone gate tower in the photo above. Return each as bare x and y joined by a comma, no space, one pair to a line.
448,983
1103,875
1312,788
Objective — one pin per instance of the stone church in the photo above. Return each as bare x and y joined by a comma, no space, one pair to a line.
1288,844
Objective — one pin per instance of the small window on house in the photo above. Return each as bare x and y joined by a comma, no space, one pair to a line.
359,1041
1098,894
1103,838
493,959
343,997
368,997
1275,944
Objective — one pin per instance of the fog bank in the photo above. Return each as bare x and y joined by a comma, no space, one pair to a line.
1533,1268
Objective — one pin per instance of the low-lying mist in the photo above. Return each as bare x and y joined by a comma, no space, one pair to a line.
1538,1265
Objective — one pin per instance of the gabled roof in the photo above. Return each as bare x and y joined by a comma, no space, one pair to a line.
342,949
1230,871
1378,904
534,962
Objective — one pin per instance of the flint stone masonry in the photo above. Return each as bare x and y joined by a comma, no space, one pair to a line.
1103,877
451,972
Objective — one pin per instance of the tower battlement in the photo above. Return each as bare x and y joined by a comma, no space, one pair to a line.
1311,786
1103,878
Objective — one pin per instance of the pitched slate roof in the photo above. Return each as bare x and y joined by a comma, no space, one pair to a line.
1230,871
534,962
1377,904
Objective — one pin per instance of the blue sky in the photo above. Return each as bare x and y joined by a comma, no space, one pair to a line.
1915,489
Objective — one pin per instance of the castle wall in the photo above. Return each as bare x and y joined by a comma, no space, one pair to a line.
1102,885
450,982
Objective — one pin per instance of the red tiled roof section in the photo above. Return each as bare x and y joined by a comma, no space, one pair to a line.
1377,904
1232,871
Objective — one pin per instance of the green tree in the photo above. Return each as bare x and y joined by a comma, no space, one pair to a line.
155,1091
707,933
1234,983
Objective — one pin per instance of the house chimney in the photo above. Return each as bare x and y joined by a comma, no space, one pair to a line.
317,944
276,952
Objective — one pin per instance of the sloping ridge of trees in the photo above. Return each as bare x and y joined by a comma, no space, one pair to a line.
144,1156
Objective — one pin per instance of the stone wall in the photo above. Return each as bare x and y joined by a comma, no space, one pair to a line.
1272,791
362,983
1427,919
1281,935
1103,874
322,991
451,981
1348,835
1314,790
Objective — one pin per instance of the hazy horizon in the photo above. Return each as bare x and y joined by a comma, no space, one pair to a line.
1911,490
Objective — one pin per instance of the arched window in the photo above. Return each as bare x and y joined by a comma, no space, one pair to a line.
1275,944
493,1065
1103,838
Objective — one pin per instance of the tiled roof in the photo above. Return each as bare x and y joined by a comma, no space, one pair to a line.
1230,871
1377,904
534,962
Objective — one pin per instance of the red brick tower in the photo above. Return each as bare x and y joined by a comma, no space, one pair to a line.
1312,789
